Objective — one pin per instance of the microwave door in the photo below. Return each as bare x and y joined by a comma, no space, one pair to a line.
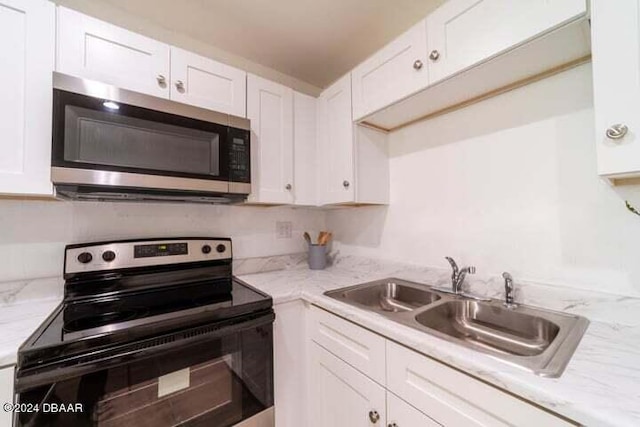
130,142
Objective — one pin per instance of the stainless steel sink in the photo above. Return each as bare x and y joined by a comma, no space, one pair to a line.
393,295
539,340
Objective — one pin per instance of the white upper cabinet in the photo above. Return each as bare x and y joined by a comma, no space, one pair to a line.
335,144
396,71
616,79
462,33
270,109
93,49
27,56
206,83
304,149
480,48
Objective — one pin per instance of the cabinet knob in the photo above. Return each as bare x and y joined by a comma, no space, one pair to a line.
288,187
417,64
345,184
393,425
617,131
162,80
180,85
434,55
374,416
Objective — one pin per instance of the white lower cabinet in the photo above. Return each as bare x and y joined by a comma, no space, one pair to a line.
418,390
342,396
6,395
290,364
401,414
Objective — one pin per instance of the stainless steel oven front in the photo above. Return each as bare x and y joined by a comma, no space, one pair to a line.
109,138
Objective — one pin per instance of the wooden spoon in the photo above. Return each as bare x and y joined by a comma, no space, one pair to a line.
307,237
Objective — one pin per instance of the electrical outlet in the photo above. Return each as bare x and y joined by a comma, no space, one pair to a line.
283,229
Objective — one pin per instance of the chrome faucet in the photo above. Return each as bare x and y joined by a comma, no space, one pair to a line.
508,290
458,275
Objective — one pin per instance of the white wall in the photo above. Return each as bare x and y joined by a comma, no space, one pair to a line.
33,233
506,184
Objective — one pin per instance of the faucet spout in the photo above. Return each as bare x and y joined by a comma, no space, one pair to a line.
458,275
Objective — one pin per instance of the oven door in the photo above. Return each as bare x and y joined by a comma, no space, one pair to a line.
212,375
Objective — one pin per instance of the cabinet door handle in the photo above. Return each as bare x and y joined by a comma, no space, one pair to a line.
617,131
288,187
434,55
374,416
180,85
417,64
345,184
162,80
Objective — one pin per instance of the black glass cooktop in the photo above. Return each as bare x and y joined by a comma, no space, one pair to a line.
85,325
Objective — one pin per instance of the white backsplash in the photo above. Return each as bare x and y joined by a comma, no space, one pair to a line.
33,233
506,184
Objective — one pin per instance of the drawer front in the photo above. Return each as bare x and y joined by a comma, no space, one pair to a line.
456,399
357,346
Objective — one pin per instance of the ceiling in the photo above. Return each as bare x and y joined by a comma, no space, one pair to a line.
316,41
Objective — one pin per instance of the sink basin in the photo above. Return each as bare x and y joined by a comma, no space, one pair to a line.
389,295
491,326
541,341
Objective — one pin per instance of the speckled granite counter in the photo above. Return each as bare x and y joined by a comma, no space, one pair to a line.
601,385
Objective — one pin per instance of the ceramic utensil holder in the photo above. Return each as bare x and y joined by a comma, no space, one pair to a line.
317,257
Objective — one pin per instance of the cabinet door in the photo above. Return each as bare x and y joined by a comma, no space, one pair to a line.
206,83
289,344
6,383
453,398
335,144
93,49
342,396
26,64
305,162
462,33
616,78
270,109
401,414
396,71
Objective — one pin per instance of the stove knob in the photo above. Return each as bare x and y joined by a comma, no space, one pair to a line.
221,248
85,257
206,249
108,256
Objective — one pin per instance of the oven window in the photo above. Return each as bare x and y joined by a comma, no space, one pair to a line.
219,383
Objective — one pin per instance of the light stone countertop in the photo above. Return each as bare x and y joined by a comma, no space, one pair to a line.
600,386
24,305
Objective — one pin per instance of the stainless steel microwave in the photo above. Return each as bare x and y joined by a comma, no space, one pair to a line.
115,144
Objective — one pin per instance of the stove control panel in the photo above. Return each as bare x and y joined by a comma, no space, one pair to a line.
143,253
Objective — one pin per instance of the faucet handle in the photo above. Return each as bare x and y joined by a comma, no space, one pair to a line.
508,290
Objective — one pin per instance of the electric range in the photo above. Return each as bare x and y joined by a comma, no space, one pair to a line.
151,329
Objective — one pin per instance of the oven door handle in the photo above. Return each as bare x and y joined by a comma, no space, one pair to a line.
27,379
